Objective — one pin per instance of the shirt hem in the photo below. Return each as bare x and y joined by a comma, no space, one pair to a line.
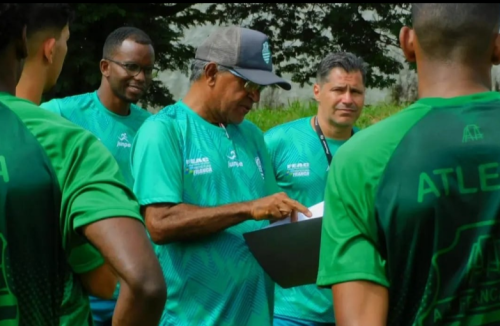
328,281
305,318
157,200
100,215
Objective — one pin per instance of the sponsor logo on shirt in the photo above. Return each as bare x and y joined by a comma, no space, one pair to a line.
259,166
197,166
298,169
123,141
232,160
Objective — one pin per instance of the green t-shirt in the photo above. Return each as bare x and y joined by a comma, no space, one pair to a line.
214,280
413,204
61,178
300,166
115,131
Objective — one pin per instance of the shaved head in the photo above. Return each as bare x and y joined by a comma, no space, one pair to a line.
460,32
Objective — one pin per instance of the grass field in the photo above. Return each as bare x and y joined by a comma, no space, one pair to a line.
267,118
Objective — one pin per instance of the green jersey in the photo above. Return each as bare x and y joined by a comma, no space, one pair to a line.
301,167
413,203
214,280
115,131
50,170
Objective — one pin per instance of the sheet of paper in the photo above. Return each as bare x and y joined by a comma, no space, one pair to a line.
316,210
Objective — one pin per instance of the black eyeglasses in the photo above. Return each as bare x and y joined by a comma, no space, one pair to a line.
134,69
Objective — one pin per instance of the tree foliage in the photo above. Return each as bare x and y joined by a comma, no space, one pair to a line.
301,34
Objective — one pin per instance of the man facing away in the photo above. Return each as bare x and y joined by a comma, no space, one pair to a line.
412,204
109,113
68,169
213,182
301,152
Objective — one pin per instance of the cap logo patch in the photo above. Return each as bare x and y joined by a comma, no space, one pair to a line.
266,53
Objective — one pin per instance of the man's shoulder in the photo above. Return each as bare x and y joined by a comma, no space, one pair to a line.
140,113
381,138
64,105
250,126
47,127
284,132
83,98
175,112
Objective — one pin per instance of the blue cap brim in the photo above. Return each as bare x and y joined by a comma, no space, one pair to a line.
263,77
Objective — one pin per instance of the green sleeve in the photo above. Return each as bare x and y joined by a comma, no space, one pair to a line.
157,164
90,180
272,141
52,106
350,248
269,177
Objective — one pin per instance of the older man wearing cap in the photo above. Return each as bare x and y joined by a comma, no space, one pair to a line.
204,178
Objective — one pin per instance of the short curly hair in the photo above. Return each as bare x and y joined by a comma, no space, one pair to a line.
13,18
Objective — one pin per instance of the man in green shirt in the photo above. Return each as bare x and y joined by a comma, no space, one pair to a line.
301,152
412,203
212,182
64,181
109,113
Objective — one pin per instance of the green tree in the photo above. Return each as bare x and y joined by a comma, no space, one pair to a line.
164,23
301,34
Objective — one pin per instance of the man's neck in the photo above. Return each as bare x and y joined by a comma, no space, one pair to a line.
8,73
112,102
452,80
31,85
198,103
331,130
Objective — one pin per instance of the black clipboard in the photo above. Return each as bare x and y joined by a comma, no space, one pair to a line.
288,253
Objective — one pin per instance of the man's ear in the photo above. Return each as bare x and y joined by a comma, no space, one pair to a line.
104,66
210,73
49,49
407,43
316,90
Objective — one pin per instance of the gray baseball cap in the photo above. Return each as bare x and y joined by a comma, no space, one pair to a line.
245,51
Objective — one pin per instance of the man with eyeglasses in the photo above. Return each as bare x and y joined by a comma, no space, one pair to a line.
110,112
213,182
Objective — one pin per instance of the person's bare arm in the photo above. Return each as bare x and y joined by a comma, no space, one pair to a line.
100,282
124,244
168,223
360,303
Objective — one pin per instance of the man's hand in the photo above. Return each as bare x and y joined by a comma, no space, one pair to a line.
277,207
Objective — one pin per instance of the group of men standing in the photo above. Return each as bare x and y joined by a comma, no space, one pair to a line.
198,176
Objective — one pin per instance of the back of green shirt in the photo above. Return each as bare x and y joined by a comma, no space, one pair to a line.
55,177
413,204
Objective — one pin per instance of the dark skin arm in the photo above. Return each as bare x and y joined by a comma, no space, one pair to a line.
100,282
168,223
125,246
360,303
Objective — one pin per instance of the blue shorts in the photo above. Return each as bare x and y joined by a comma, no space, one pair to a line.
102,310
288,321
